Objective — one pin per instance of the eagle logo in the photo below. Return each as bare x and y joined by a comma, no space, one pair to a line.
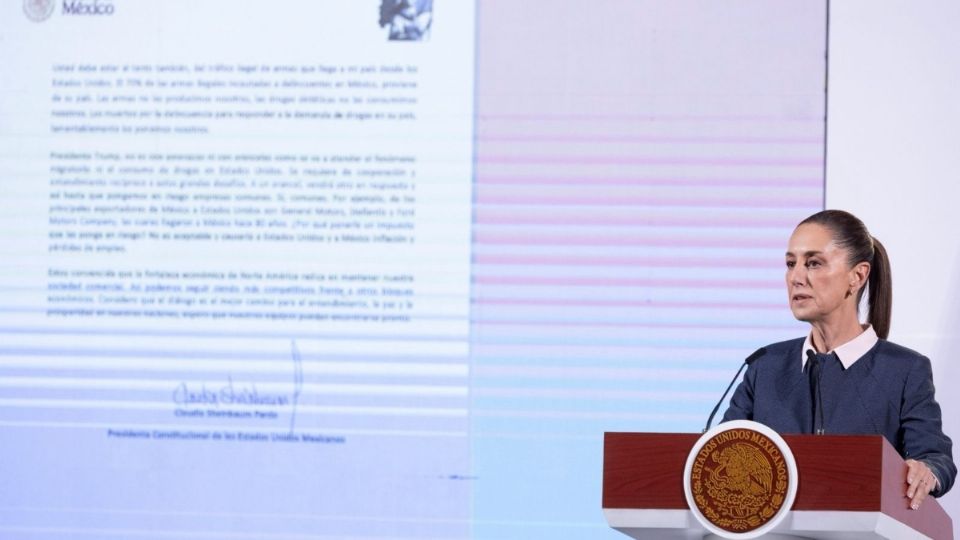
739,479
38,10
743,478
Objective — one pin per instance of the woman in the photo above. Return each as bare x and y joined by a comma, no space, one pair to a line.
845,377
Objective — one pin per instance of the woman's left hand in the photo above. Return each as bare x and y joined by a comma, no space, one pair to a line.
920,482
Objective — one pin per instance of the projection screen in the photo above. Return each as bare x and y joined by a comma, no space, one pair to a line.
382,269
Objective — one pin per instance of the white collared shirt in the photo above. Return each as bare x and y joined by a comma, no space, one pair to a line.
849,352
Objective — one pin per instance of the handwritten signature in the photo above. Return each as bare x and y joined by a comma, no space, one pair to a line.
231,393
297,380
228,394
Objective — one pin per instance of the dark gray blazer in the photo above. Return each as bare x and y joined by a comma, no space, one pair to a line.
889,392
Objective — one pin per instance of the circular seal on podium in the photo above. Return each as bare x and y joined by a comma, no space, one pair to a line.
740,479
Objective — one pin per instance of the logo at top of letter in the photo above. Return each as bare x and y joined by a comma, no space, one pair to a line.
740,479
38,10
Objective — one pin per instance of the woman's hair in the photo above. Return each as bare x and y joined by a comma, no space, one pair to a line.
851,234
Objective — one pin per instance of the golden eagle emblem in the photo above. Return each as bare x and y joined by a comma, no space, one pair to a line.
742,470
739,480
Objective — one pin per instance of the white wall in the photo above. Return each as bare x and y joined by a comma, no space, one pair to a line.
893,159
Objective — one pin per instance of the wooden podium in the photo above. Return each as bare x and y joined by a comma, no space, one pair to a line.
850,487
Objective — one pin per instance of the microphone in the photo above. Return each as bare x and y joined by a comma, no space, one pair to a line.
749,360
813,362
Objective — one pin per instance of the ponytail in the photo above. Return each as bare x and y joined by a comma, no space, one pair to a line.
880,297
851,234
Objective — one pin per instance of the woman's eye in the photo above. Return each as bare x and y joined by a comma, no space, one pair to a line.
791,264
813,264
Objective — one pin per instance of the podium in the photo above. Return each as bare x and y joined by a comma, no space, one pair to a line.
850,487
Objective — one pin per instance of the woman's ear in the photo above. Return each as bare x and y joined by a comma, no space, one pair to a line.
859,275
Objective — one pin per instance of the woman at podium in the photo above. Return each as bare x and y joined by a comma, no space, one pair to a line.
844,377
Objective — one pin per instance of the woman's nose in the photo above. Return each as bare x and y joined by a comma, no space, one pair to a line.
797,274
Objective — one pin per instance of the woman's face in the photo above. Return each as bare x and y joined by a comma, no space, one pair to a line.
820,281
